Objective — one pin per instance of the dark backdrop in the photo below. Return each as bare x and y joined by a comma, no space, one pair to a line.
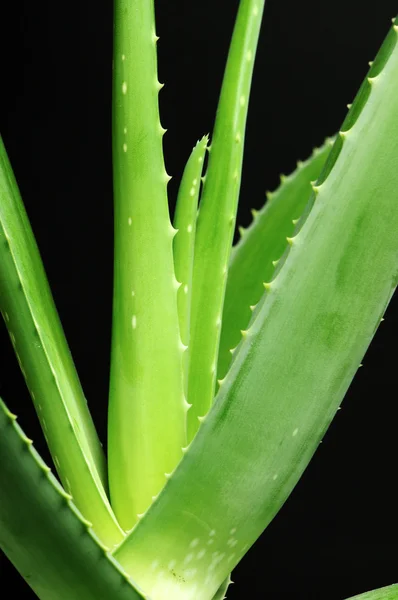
337,534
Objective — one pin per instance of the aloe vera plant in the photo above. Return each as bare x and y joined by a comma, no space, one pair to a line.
227,364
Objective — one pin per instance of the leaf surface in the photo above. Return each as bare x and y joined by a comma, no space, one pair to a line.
295,365
31,318
147,407
386,593
260,245
184,241
217,212
43,533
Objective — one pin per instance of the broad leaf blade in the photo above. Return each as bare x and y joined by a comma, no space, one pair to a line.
294,367
44,535
44,357
147,408
259,246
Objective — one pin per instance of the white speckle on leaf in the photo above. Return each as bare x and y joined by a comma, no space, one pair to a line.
189,573
123,57
185,289
188,558
134,321
189,228
124,87
124,147
295,432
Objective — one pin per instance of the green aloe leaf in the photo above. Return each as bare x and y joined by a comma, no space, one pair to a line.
291,372
261,244
31,318
222,591
43,533
217,212
386,593
184,241
147,407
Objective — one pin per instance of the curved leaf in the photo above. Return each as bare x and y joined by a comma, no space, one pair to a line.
386,593
43,533
294,367
261,244
217,212
44,357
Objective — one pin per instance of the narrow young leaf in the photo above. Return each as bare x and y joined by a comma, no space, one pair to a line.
184,241
217,212
44,357
43,533
252,259
147,405
294,367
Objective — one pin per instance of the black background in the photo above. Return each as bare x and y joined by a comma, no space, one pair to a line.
337,534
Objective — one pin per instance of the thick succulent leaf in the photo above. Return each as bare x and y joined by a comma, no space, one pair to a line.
222,591
147,408
253,258
184,241
43,533
46,363
217,212
294,367
386,593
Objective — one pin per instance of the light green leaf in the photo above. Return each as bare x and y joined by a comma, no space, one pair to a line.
44,357
217,212
260,245
184,241
292,371
386,593
43,533
147,408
